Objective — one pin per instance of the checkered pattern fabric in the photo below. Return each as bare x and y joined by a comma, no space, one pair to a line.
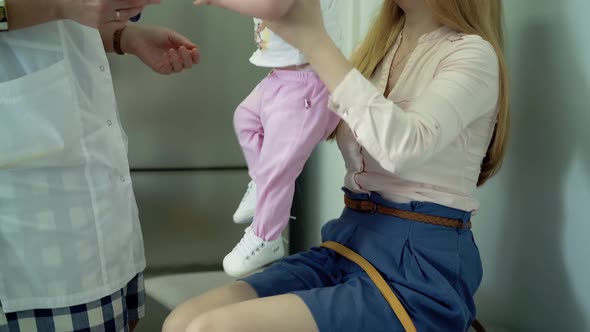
109,314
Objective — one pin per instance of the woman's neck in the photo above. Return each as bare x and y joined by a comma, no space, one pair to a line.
418,23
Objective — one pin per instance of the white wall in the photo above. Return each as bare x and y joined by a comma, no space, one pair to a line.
534,226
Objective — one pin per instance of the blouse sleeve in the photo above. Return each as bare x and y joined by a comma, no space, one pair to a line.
465,87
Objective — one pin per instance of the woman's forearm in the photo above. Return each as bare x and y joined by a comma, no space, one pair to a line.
130,33
327,60
266,9
27,13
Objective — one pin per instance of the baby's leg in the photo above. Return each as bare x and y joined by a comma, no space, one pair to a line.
248,128
295,120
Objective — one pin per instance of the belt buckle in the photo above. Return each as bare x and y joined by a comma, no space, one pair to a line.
368,206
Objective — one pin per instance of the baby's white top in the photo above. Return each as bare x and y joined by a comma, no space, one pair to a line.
274,52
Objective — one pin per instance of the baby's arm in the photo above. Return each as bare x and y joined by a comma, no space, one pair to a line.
265,9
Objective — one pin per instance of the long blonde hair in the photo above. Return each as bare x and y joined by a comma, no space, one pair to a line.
478,17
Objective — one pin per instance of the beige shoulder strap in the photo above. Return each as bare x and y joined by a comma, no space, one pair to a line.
378,280
382,285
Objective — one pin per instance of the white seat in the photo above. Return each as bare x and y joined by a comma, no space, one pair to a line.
172,290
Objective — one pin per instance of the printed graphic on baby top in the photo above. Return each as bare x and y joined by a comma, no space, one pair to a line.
261,34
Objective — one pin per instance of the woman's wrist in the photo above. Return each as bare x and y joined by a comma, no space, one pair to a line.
328,62
128,36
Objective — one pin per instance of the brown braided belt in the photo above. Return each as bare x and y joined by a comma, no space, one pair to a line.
371,207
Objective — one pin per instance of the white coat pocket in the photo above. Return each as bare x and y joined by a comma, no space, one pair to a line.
40,120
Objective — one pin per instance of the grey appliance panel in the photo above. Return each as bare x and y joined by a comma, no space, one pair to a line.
186,120
186,217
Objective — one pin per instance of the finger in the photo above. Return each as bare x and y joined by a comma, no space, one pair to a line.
124,5
175,61
134,3
120,18
180,40
113,25
127,13
164,66
187,59
196,55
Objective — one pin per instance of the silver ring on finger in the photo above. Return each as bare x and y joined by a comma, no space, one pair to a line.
117,16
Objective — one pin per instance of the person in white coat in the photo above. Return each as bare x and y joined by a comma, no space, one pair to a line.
71,250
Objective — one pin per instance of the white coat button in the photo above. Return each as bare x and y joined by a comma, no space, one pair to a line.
101,68
110,123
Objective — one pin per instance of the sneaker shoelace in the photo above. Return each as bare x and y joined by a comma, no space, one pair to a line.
249,245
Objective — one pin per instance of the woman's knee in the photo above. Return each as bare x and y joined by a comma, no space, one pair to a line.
204,322
187,312
175,322
208,322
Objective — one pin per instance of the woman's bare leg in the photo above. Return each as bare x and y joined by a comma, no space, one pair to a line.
185,313
285,313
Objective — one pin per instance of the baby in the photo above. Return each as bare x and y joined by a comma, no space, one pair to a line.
278,125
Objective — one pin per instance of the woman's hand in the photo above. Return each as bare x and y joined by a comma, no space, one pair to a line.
302,27
98,13
163,50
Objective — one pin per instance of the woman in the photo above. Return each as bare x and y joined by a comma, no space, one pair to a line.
71,250
425,116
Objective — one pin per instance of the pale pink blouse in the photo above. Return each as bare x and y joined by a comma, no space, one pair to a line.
427,139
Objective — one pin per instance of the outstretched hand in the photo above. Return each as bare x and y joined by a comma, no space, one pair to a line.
163,50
